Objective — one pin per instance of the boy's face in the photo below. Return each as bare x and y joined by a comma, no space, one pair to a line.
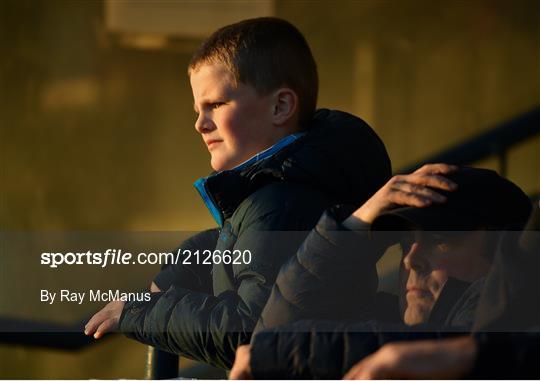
234,121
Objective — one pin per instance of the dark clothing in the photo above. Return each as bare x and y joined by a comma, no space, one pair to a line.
283,189
507,355
333,277
317,283
508,324
194,276
512,284
326,350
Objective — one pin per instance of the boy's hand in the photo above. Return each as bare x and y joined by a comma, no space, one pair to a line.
106,320
441,359
241,369
154,287
406,190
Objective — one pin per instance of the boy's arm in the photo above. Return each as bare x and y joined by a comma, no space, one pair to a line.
209,328
196,277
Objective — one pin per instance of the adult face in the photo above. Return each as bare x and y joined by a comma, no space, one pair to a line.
429,259
234,120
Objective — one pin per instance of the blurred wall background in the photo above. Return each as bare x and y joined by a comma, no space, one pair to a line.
96,119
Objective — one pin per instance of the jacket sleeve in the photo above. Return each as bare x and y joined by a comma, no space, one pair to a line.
512,282
333,263
506,355
195,277
508,326
325,350
209,328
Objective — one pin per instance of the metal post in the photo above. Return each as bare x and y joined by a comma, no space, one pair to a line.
160,365
503,162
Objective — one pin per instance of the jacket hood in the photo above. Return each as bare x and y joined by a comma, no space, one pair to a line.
339,155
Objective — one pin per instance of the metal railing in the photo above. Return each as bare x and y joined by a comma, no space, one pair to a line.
43,334
495,141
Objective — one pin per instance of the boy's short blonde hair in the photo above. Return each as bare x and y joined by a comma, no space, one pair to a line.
266,53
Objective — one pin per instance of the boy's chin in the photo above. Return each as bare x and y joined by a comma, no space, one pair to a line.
218,164
223,163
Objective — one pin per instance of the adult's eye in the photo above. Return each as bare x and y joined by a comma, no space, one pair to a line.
443,247
406,241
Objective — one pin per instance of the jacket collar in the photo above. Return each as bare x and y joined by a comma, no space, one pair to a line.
223,191
451,293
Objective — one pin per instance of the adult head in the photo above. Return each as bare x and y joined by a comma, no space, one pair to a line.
453,235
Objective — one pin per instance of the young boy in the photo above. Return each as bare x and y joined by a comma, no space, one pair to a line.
278,165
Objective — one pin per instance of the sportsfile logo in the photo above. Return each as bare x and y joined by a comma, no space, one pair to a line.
109,257
120,257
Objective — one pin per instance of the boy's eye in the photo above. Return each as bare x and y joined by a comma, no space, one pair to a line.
215,105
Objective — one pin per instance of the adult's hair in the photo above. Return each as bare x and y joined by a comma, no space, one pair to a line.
266,53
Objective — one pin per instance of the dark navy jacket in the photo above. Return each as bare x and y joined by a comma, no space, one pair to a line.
206,311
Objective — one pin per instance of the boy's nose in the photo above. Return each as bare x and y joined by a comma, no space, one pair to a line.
203,124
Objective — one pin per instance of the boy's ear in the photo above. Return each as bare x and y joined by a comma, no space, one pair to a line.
285,106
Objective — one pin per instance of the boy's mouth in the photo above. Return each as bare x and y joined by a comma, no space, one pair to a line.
212,142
